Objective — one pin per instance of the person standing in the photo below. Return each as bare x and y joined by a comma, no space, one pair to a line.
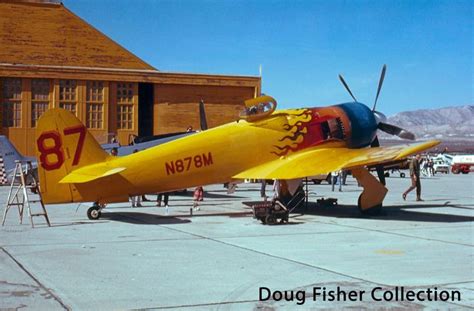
415,178
136,200
197,197
263,184
344,176
335,177
114,151
165,197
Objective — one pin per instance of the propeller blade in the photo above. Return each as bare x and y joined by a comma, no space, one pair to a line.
395,130
382,77
375,142
379,117
347,87
202,116
378,168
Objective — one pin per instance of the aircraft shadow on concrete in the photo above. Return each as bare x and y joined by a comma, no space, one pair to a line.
207,195
389,212
143,218
152,219
230,214
241,190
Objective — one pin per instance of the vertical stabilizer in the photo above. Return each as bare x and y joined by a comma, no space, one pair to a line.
63,145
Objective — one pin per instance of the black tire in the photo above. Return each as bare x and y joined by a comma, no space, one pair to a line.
402,175
270,220
386,174
373,211
93,213
317,181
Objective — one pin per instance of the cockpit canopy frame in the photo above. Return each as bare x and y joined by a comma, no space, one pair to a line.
258,108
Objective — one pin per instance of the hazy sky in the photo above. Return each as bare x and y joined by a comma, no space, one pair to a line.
303,45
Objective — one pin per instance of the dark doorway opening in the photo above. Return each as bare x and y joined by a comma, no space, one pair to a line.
145,109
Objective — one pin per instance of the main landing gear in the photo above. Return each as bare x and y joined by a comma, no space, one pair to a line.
371,198
94,212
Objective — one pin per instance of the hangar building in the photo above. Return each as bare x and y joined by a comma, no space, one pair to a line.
50,57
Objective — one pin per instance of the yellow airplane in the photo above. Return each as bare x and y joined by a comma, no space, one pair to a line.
263,144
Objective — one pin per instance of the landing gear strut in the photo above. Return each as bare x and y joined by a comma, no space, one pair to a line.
372,211
94,212
371,198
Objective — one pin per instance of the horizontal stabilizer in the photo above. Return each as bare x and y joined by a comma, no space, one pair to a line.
90,173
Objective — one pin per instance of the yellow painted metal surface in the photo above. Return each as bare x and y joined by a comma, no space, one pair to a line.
274,147
330,157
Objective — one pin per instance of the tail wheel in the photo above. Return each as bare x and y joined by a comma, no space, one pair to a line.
373,211
93,213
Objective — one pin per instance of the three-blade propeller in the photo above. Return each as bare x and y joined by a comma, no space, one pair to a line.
381,122
380,117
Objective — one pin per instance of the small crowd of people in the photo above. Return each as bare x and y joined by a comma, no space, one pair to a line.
427,167
338,177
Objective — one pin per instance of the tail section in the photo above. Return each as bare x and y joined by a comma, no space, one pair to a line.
63,145
7,150
8,156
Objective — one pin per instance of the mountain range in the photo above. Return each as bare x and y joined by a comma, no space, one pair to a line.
449,123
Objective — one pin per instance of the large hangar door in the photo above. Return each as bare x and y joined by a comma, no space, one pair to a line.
145,109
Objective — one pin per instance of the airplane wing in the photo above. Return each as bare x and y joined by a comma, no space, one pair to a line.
89,173
326,159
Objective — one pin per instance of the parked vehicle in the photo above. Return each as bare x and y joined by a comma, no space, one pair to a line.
440,166
458,163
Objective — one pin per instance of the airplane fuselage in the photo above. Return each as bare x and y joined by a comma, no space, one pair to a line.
218,154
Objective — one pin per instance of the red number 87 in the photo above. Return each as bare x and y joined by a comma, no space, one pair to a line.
56,148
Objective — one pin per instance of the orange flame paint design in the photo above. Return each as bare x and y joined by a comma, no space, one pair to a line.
298,134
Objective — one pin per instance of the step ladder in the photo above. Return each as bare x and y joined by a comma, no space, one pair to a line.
19,196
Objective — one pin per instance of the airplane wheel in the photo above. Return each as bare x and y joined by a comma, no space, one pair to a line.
270,219
402,175
93,213
373,211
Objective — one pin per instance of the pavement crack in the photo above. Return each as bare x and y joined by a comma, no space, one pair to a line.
47,290
394,233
